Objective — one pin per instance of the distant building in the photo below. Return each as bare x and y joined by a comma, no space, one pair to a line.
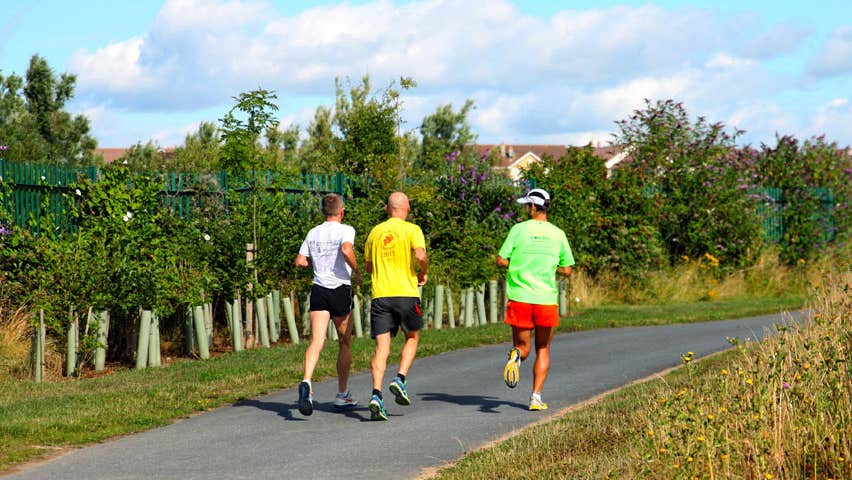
514,158
112,154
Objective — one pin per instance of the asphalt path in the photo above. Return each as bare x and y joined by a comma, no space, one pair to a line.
459,403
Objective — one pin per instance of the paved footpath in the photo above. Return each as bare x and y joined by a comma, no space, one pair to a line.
459,403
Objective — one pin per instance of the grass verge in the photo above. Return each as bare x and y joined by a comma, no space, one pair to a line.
36,419
780,408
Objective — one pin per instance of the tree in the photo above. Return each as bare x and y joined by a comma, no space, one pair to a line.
242,126
699,180
200,151
33,122
253,114
317,152
442,132
369,131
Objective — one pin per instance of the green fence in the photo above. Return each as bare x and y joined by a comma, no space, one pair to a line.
772,205
32,191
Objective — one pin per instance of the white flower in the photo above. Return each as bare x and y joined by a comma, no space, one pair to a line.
206,237
577,299
78,192
127,216
43,178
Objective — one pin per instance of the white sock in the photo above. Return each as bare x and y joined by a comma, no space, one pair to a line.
308,382
536,396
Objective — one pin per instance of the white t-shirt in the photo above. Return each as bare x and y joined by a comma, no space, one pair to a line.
322,246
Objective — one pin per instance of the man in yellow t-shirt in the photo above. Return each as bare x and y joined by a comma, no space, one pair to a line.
395,255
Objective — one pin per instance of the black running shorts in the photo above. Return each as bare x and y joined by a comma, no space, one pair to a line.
335,301
389,314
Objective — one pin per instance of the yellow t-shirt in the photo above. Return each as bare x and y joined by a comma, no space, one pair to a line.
390,248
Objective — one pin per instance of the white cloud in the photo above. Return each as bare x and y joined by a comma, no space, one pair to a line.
835,57
201,51
569,76
114,67
779,40
834,119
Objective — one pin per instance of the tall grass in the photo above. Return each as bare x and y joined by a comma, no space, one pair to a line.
777,409
16,336
780,409
701,279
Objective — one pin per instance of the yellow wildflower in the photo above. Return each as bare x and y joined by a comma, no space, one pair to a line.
724,372
710,416
749,381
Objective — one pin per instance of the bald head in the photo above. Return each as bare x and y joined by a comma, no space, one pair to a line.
398,205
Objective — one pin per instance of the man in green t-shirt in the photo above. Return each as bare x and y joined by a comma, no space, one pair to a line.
534,251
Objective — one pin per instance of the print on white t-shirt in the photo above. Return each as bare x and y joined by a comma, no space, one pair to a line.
322,246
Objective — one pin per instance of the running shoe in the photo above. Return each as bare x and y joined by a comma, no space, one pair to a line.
537,405
377,409
306,399
344,401
397,388
511,372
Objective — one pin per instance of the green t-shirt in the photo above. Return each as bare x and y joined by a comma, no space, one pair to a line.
534,250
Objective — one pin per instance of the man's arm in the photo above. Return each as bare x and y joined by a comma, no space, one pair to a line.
564,270
422,265
348,251
302,261
502,262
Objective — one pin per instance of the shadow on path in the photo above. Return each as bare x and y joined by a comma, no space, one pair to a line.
486,404
288,411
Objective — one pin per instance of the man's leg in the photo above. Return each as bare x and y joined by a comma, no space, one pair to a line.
319,326
380,359
378,367
521,340
543,337
344,355
409,351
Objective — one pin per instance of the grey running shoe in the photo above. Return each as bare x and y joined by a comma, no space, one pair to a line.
344,401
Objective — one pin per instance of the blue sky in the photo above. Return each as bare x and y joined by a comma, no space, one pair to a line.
538,72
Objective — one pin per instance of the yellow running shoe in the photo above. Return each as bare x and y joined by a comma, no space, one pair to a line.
511,372
537,405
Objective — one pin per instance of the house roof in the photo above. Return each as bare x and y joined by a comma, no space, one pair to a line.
509,154
112,154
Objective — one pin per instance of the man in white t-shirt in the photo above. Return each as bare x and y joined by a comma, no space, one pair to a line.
330,249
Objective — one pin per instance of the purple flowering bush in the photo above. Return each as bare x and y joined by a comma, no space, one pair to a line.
697,180
815,182
465,217
608,222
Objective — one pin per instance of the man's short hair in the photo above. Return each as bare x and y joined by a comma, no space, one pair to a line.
331,204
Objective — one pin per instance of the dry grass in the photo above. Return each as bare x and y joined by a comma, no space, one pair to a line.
781,409
16,333
693,280
15,341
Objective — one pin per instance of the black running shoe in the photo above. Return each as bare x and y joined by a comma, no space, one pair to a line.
306,400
